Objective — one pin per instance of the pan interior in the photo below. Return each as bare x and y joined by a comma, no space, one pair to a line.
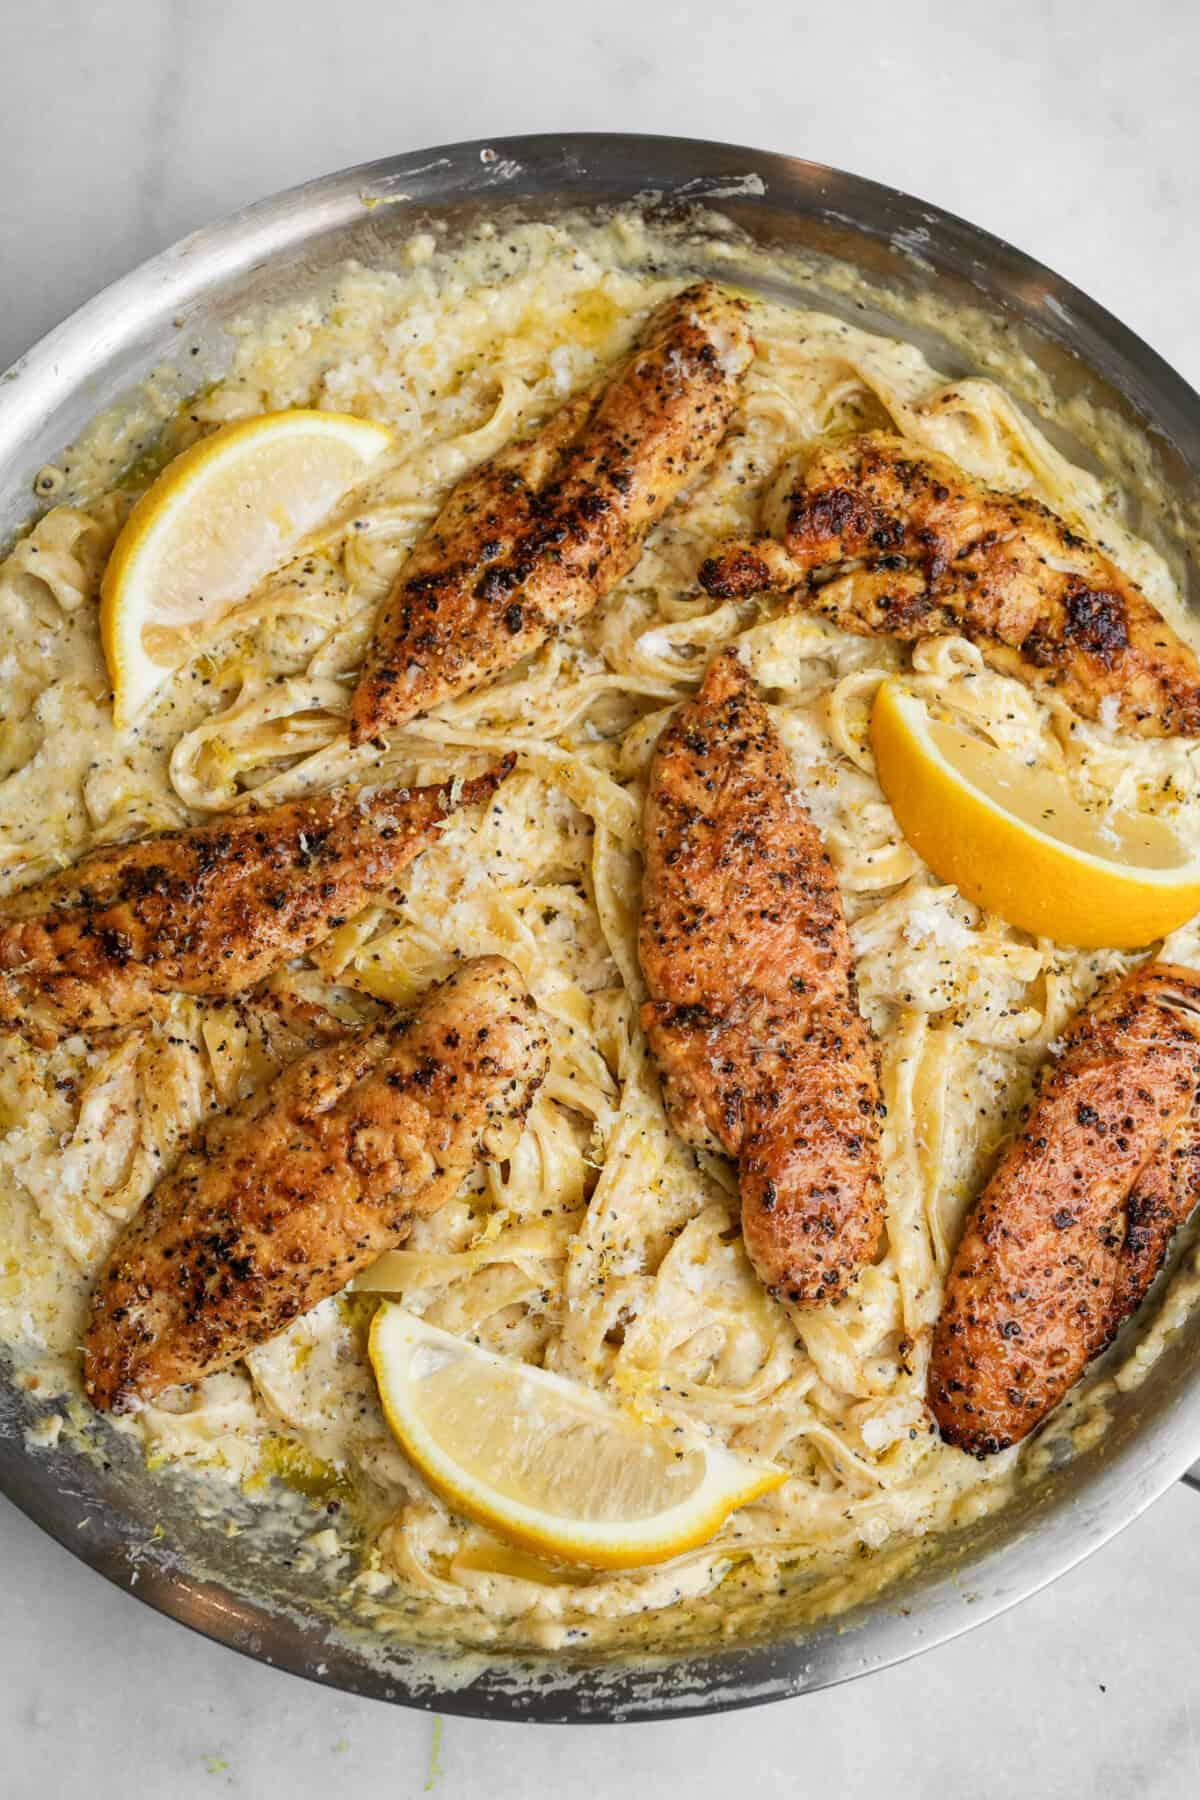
814,238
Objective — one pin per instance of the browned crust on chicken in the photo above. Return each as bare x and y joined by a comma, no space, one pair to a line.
1075,1222
532,539
290,1197
207,911
933,551
753,1016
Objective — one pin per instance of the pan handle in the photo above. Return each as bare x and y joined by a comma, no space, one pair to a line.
1191,1477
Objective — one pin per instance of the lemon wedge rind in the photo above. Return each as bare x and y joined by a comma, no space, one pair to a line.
1016,842
215,522
546,1439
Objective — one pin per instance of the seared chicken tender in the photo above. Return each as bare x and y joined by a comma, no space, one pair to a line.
753,1016
207,911
932,550
1075,1222
532,539
288,1198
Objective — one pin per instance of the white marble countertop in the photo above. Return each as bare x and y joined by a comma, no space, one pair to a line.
1067,126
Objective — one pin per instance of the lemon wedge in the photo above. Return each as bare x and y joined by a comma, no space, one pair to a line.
1016,841
545,1462
217,520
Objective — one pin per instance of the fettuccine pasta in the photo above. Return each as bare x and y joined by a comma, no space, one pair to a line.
604,1249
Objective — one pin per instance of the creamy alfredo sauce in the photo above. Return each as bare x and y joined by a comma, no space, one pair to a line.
604,1249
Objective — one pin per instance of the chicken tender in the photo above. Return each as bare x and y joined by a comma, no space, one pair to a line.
932,550
531,540
288,1198
753,1015
207,911
1075,1222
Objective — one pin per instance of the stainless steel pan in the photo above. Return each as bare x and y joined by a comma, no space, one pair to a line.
283,246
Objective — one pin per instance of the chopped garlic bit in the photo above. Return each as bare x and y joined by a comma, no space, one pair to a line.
45,1433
